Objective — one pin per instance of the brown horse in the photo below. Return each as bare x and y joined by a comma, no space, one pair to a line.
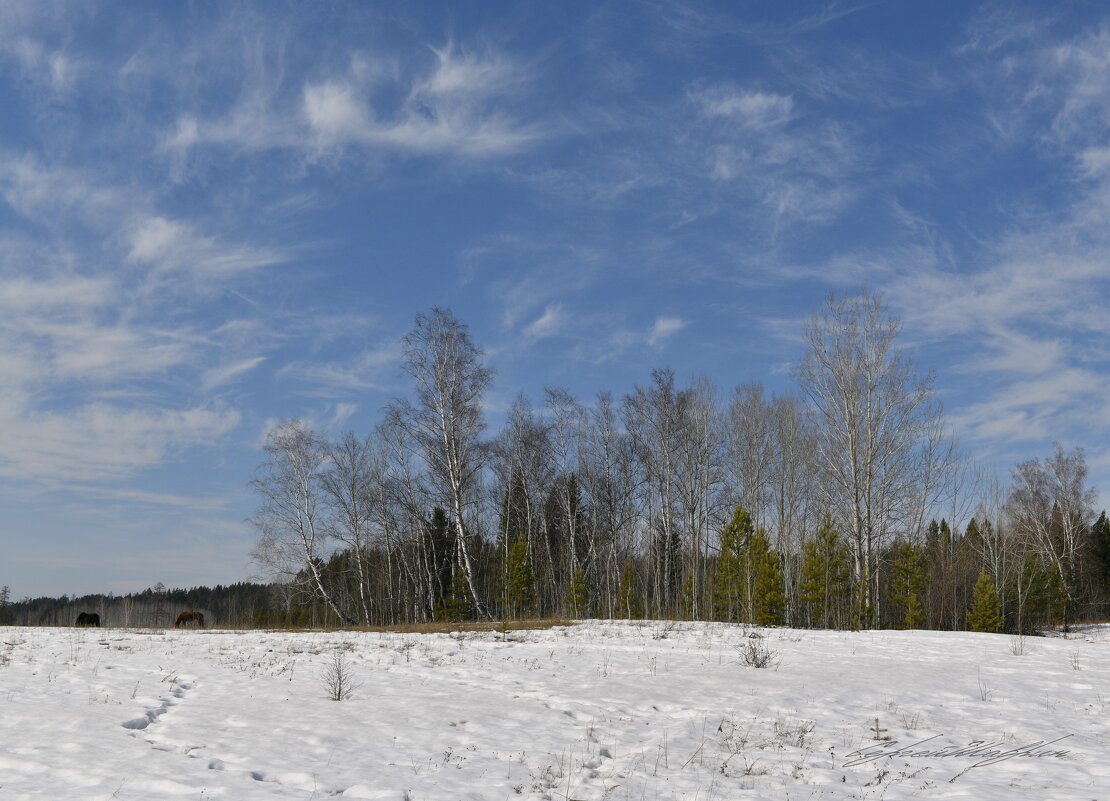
189,619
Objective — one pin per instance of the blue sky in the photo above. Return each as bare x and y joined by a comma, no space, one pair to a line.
213,216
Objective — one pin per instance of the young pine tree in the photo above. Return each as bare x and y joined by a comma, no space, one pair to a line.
628,603
519,582
1100,555
825,582
1038,595
907,585
984,614
456,606
767,592
729,592
578,594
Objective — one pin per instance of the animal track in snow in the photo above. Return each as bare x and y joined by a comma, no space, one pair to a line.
180,687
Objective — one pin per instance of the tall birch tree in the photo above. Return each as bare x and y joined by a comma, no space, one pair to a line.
446,421
871,412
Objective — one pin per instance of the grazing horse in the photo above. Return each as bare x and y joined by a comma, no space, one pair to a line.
189,619
88,619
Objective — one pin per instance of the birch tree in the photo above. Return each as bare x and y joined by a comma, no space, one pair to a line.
699,477
446,421
349,487
609,481
870,410
651,419
750,449
1052,505
291,518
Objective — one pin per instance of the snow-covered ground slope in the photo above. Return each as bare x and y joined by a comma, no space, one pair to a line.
600,710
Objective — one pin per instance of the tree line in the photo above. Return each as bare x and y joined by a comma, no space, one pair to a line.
243,604
843,504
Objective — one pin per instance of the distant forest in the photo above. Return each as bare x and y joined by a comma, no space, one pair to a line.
845,503
244,605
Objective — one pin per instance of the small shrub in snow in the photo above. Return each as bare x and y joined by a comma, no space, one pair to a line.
339,682
793,733
754,652
985,692
910,720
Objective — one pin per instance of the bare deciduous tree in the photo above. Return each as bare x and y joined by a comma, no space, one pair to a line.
290,519
871,412
348,484
792,487
652,420
447,421
700,478
609,480
751,449
1051,504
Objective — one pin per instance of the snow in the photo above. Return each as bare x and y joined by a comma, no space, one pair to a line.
600,710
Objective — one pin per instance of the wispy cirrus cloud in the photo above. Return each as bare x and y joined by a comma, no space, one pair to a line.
92,333
99,440
754,140
173,245
547,324
465,103
751,109
227,373
371,369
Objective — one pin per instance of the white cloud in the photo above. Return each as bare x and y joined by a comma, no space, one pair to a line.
99,442
342,414
467,104
751,109
169,245
334,113
756,142
87,351
66,291
460,74
154,239
166,499
547,324
368,371
49,195
92,356
664,328
227,373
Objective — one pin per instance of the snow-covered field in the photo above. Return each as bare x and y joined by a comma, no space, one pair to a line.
600,710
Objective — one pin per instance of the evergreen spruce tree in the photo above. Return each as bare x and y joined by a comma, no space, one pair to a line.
907,585
5,599
513,523
1100,554
767,591
519,582
628,603
578,594
456,606
729,594
688,597
984,614
439,544
824,583
972,535
1038,595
